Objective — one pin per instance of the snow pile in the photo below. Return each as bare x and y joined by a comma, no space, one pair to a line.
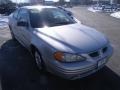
116,14
3,22
4,19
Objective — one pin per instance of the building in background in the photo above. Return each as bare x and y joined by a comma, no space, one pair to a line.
73,2
82,2
117,1
101,1
106,1
48,3
93,1
36,1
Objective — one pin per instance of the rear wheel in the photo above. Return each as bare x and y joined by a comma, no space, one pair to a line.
12,34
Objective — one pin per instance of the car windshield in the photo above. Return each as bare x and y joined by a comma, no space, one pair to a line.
49,17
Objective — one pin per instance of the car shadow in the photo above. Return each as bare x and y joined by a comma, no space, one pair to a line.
18,71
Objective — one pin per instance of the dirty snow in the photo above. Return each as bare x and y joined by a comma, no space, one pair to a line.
116,14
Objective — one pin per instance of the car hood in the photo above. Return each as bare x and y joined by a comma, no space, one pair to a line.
72,38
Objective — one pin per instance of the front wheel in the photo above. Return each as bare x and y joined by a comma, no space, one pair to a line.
38,59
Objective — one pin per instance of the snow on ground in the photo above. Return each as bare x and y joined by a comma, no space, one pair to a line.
3,25
3,22
116,15
93,10
4,18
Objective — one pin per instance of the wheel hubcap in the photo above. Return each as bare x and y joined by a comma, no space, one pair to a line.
38,59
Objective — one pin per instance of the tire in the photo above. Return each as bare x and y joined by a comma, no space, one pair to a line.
38,59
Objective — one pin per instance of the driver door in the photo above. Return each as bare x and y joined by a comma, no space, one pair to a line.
25,35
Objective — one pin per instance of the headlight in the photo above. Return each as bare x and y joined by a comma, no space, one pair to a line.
67,57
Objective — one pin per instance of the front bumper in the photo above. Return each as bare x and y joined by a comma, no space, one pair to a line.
82,70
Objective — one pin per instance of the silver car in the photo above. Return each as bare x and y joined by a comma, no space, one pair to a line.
58,43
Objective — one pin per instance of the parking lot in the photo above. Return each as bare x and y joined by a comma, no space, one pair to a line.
18,70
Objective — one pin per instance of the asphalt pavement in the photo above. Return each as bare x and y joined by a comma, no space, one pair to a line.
18,69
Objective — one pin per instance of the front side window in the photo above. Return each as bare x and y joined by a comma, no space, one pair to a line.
15,15
23,15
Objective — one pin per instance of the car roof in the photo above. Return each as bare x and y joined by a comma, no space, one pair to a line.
39,7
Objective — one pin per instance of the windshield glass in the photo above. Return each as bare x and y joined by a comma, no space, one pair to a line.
49,17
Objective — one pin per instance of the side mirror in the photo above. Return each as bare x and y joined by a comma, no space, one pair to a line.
22,23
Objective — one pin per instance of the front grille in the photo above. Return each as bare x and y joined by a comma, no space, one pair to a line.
98,53
94,54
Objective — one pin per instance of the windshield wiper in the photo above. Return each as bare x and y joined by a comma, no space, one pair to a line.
62,23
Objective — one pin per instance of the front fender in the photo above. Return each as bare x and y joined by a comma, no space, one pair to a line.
44,48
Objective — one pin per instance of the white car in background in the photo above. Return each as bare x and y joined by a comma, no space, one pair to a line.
116,14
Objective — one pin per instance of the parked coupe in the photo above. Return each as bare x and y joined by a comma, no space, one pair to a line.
58,43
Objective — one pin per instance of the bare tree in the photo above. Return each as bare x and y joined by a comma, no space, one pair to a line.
7,6
4,1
